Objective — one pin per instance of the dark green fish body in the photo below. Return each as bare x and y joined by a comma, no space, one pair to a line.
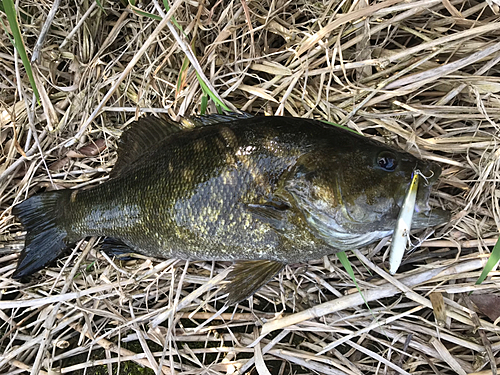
279,189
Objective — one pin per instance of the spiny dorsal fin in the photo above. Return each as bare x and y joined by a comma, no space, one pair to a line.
249,276
215,118
139,138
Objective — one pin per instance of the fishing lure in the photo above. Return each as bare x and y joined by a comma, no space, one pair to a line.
401,234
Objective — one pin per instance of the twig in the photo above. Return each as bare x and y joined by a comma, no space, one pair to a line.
45,29
380,292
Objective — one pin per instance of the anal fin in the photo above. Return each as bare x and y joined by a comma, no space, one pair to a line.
117,248
249,276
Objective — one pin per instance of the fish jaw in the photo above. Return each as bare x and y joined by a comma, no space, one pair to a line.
424,215
431,218
331,227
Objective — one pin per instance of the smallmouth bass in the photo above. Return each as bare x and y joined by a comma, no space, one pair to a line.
260,191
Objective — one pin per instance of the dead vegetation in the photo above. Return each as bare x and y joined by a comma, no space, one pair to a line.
423,74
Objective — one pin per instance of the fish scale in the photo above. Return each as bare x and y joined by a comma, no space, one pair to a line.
270,190
193,202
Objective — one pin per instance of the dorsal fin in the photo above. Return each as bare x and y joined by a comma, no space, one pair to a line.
139,137
215,118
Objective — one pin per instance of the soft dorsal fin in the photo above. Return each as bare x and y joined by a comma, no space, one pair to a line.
215,118
139,137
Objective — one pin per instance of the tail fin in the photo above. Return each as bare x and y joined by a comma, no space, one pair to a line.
41,216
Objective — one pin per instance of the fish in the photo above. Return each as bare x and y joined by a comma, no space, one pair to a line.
260,191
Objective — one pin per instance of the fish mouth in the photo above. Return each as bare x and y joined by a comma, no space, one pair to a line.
425,216
429,173
431,218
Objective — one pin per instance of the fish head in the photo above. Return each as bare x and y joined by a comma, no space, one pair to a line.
358,189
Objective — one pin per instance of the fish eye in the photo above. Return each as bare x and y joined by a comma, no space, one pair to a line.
387,161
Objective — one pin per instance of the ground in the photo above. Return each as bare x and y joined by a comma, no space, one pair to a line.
421,75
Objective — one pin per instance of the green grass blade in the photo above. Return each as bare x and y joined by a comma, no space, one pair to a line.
167,8
204,104
182,75
492,261
207,91
347,265
142,13
98,2
204,87
18,42
341,126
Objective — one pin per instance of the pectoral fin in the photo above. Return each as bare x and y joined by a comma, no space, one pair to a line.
249,276
275,214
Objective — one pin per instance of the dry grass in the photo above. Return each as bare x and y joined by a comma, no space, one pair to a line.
423,74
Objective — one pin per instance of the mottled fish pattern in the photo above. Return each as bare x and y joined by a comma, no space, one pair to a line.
274,190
